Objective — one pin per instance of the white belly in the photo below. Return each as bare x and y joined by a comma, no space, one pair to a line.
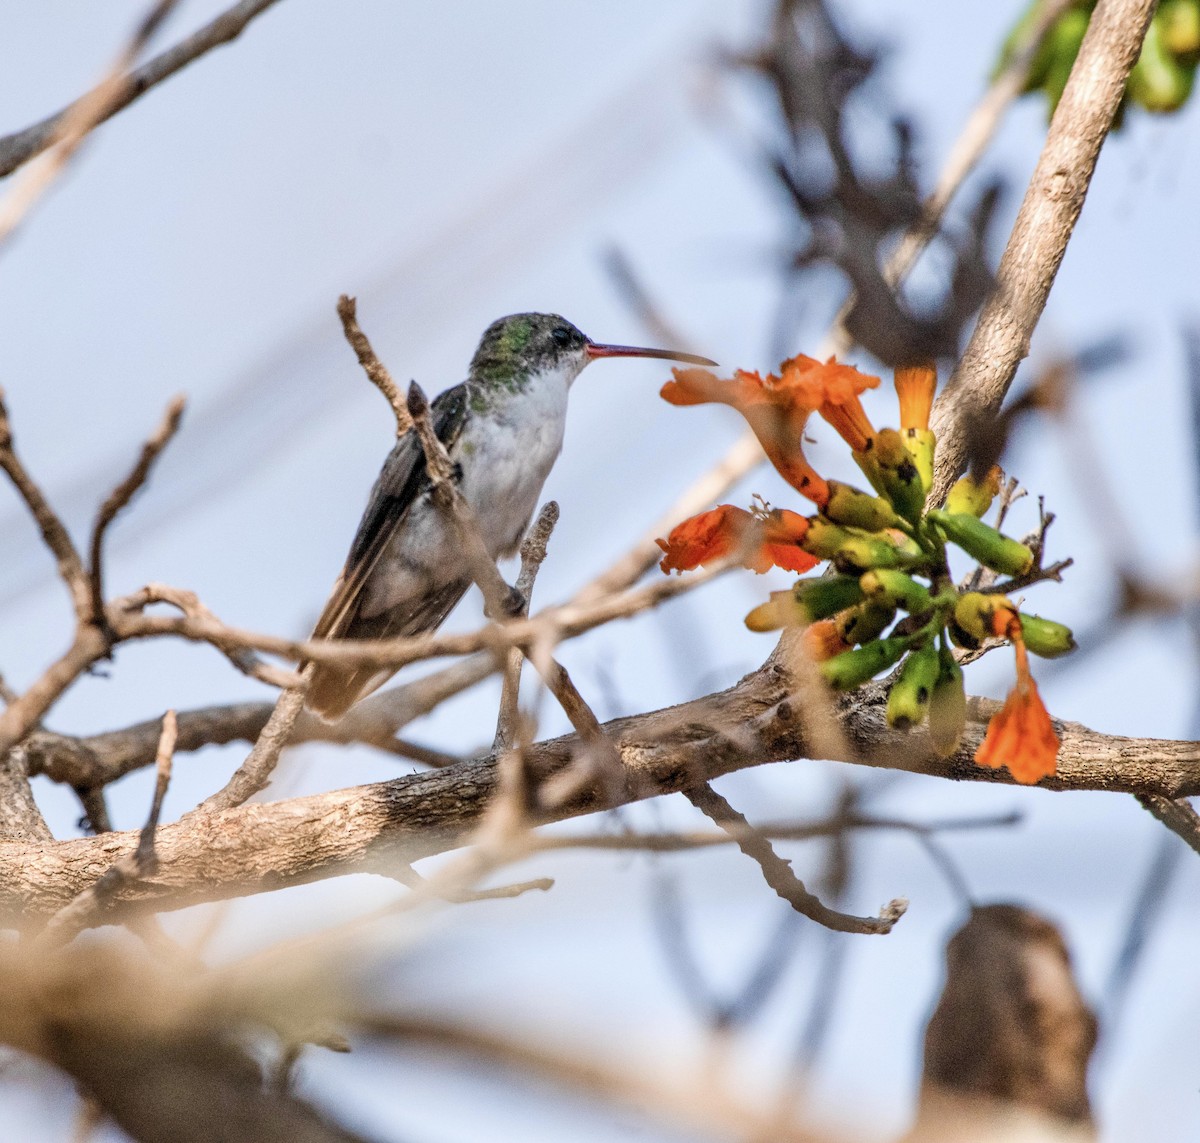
504,467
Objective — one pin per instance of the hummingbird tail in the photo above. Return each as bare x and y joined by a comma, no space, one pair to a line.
332,692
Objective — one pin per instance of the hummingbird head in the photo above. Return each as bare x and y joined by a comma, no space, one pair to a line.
520,346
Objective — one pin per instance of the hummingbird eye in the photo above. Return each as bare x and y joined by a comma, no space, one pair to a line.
562,336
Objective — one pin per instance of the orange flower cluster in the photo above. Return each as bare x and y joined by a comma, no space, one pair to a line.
766,540
1020,735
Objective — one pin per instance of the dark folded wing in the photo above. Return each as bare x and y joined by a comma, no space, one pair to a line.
401,482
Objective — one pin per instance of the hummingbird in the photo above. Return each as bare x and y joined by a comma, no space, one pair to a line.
503,430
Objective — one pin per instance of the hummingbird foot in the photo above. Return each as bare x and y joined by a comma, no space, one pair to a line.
512,606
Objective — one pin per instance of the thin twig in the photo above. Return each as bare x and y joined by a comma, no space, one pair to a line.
93,901
377,373
500,600
255,772
779,874
120,497
533,554
1177,815
18,148
54,532
77,121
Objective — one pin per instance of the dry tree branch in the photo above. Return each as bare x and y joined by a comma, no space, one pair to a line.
92,902
77,121
255,771
54,532
120,497
18,148
377,373
1039,237
258,847
501,601
780,876
533,555
1177,815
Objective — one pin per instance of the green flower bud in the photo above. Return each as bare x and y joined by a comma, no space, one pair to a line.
1045,637
850,669
974,613
897,588
1179,21
1159,81
852,550
867,621
974,497
807,601
909,697
983,542
849,505
921,444
898,474
947,705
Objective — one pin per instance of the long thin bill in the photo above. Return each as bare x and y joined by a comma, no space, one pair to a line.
596,350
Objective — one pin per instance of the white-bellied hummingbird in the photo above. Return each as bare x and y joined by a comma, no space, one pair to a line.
503,429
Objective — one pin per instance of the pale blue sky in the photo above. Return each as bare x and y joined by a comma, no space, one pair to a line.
454,162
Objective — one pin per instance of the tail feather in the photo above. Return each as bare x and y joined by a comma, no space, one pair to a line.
332,689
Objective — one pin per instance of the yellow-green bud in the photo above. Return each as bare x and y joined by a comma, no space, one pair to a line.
806,601
1045,637
921,444
1180,24
852,668
983,542
896,588
947,705
849,505
851,549
898,474
974,497
909,697
867,621
1159,81
974,612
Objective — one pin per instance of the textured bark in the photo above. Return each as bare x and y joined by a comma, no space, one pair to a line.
377,827
1043,228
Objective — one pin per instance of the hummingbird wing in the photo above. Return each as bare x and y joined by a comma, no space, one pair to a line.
403,479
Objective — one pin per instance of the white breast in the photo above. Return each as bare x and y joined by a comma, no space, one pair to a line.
507,453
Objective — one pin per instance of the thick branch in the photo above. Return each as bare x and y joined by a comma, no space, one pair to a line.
1042,230
260,847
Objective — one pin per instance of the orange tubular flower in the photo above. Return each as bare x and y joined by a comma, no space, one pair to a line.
840,387
713,535
1020,736
915,385
775,411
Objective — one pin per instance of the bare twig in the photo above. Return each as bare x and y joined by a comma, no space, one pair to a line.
255,772
533,554
1041,232
1177,815
120,497
79,913
779,874
19,148
377,373
501,601
54,533
74,124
